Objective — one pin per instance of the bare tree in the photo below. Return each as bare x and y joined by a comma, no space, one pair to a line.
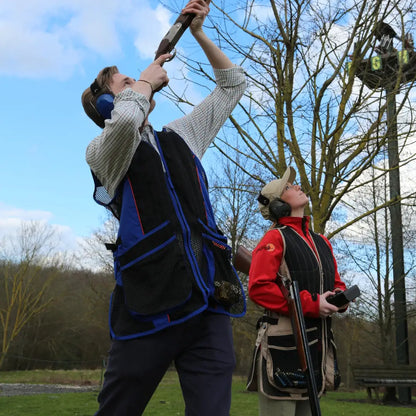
233,197
308,105
367,250
94,253
28,265
302,105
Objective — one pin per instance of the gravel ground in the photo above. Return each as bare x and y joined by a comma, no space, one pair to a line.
16,389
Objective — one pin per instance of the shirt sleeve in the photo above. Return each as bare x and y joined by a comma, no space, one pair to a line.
109,155
262,286
200,127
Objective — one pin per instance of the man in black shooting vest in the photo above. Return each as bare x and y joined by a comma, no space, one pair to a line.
175,287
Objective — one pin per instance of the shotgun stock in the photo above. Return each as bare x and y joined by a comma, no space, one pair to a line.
290,291
242,259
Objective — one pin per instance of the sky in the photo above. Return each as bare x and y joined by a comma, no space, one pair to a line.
49,53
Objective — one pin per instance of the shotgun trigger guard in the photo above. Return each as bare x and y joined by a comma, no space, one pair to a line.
173,53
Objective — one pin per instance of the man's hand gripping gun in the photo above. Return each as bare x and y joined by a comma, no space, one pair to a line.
290,291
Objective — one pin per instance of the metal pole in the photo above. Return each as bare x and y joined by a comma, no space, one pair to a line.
402,346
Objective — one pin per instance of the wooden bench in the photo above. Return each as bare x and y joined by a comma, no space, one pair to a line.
374,377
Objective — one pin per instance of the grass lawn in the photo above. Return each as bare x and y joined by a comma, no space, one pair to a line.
167,401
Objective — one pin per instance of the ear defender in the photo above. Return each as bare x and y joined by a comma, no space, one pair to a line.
279,208
105,105
105,102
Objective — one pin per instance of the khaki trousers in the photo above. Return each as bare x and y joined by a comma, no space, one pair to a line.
269,407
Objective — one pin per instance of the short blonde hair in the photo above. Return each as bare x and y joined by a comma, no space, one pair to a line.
89,97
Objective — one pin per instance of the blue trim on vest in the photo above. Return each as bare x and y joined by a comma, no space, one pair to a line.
186,232
126,247
131,228
134,232
147,254
117,274
205,195
162,322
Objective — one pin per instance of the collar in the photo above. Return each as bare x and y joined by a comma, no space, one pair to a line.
299,224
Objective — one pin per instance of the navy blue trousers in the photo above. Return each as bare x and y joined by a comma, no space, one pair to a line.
203,353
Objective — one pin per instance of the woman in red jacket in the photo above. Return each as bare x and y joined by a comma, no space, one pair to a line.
310,261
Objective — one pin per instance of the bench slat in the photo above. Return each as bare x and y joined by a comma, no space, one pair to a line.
377,376
386,381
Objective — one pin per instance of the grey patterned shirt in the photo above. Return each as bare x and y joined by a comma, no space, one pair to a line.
109,155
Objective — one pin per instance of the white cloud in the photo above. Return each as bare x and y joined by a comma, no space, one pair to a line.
45,38
153,26
261,12
12,218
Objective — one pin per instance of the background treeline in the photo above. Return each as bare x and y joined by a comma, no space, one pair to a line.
72,331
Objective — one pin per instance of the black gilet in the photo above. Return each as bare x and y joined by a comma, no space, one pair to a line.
171,258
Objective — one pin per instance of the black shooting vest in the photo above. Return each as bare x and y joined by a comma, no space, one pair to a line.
316,274
171,261
276,370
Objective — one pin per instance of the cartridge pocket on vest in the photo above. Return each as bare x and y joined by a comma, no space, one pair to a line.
282,360
227,288
154,274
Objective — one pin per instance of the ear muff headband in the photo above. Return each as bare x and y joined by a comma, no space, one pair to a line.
263,200
105,102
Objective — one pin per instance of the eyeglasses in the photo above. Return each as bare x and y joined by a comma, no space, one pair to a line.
287,187
291,186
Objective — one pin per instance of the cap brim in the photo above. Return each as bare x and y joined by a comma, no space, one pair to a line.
289,175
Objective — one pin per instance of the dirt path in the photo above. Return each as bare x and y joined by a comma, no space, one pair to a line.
16,389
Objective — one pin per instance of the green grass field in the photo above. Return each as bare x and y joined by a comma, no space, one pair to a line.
167,400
